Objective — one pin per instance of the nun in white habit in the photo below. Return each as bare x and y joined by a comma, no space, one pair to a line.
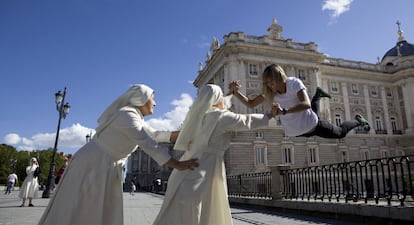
200,196
90,192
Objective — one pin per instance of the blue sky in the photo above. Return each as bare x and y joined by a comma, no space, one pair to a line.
98,48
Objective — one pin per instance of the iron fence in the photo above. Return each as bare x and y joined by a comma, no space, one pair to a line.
253,185
390,179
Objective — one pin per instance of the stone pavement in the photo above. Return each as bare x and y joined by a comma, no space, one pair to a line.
142,208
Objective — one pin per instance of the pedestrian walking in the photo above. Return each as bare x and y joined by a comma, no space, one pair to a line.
11,182
132,187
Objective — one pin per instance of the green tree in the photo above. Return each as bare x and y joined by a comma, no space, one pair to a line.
7,154
44,157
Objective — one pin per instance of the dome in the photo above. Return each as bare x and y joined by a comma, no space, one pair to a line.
403,48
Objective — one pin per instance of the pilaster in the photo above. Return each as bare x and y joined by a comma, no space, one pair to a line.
368,107
346,100
385,109
408,96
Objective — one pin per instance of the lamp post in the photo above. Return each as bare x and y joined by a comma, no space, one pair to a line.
63,109
13,163
88,137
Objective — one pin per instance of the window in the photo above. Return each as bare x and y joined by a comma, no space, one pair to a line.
374,90
354,88
313,155
338,120
389,92
287,155
365,154
334,87
378,123
144,163
279,122
344,156
285,137
301,75
260,155
135,162
393,124
253,69
259,134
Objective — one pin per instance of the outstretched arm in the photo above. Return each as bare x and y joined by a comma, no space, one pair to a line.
182,165
234,87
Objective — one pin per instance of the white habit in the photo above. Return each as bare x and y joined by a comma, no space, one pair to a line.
90,191
199,196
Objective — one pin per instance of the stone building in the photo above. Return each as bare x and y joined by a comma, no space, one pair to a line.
382,92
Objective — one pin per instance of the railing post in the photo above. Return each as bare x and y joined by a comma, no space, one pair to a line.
277,181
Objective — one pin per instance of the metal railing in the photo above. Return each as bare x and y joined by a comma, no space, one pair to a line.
385,179
253,185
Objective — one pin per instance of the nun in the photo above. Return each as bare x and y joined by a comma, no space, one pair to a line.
90,191
199,196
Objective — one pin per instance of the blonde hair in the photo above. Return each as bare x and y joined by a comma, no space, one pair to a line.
34,159
272,72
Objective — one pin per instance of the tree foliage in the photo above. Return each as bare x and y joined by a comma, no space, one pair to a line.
44,157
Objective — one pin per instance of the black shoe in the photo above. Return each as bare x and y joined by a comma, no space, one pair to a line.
362,122
31,205
322,93
21,205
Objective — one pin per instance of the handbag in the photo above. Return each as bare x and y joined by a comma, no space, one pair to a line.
37,172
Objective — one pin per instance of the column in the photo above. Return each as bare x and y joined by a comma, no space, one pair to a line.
325,106
346,100
290,71
315,78
277,181
408,96
385,109
368,108
234,70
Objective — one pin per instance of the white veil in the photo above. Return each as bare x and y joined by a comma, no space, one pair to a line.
136,95
208,95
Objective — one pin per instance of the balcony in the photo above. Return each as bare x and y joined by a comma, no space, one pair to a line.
361,131
397,132
381,131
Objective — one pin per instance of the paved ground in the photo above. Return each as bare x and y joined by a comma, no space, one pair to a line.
142,208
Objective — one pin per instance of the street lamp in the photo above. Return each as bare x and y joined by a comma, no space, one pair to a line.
89,137
13,163
63,110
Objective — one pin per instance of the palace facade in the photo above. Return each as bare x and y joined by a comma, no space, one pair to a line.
382,92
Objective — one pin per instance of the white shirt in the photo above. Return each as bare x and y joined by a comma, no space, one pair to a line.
12,178
296,123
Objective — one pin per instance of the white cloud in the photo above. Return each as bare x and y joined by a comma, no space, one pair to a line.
336,6
11,139
173,119
73,137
